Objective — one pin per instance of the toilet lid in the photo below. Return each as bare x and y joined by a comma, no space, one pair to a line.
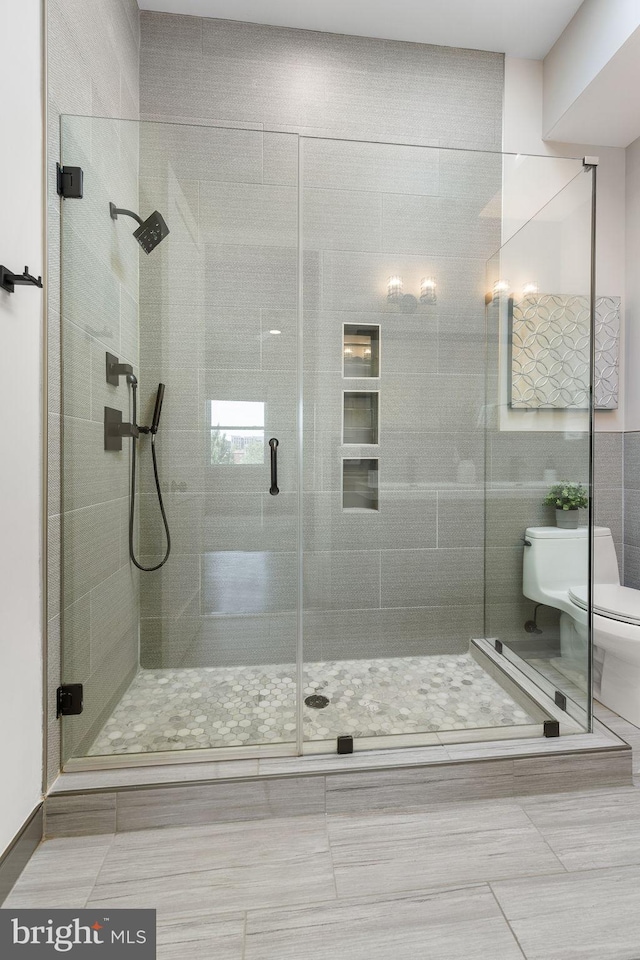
610,600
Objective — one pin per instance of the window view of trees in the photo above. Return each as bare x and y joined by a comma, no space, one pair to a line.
237,432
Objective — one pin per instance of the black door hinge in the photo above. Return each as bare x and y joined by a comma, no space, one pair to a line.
345,744
498,646
70,700
70,182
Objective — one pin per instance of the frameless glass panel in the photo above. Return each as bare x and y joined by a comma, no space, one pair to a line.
394,243
539,443
200,652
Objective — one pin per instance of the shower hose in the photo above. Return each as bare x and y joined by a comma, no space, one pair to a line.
132,497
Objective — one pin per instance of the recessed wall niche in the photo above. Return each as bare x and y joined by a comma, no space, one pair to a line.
360,416
361,350
360,484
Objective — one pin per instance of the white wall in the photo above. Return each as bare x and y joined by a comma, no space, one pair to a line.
522,133
20,401
632,313
592,61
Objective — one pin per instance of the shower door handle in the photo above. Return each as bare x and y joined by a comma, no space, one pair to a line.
273,490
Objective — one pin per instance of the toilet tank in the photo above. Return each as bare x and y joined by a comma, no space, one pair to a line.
558,559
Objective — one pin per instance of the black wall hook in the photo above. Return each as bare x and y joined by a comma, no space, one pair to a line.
8,279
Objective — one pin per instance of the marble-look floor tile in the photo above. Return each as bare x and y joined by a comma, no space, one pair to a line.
194,872
174,850
590,829
470,843
240,887
221,938
61,873
463,924
594,915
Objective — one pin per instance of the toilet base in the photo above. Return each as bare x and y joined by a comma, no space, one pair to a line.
620,687
574,640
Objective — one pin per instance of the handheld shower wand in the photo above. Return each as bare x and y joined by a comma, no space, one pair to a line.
153,429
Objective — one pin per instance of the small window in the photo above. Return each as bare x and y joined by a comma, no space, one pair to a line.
237,432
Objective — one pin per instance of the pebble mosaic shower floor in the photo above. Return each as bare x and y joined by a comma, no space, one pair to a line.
182,709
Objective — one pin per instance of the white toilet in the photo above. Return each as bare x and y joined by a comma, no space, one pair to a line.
555,573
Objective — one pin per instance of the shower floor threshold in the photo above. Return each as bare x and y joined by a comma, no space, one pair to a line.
78,779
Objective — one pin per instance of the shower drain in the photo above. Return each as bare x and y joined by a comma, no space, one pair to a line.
317,700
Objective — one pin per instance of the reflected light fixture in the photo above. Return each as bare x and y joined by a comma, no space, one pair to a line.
500,289
530,288
394,288
428,290
275,333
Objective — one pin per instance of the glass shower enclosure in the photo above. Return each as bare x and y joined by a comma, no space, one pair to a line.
345,477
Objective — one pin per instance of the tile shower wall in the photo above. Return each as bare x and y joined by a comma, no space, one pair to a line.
93,70
384,584
632,509
225,277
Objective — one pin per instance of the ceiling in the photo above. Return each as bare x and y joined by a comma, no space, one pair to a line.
519,28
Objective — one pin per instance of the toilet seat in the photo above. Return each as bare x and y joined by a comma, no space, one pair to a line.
610,601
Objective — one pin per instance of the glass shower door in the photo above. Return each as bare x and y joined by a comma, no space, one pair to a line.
200,653
394,243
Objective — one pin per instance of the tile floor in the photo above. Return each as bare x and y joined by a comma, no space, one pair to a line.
553,877
184,709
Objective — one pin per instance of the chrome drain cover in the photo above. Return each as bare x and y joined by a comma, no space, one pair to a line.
317,700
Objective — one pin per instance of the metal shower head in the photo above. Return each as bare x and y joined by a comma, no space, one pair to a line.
151,231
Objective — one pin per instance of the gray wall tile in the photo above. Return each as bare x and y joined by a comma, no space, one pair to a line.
632,517
280,158
92,547
379,168
255,214
336,580
341,219
91,474
632,461
187,152
632,566
236,582
418,578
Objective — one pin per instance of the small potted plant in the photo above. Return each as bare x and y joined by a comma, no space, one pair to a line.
568,499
